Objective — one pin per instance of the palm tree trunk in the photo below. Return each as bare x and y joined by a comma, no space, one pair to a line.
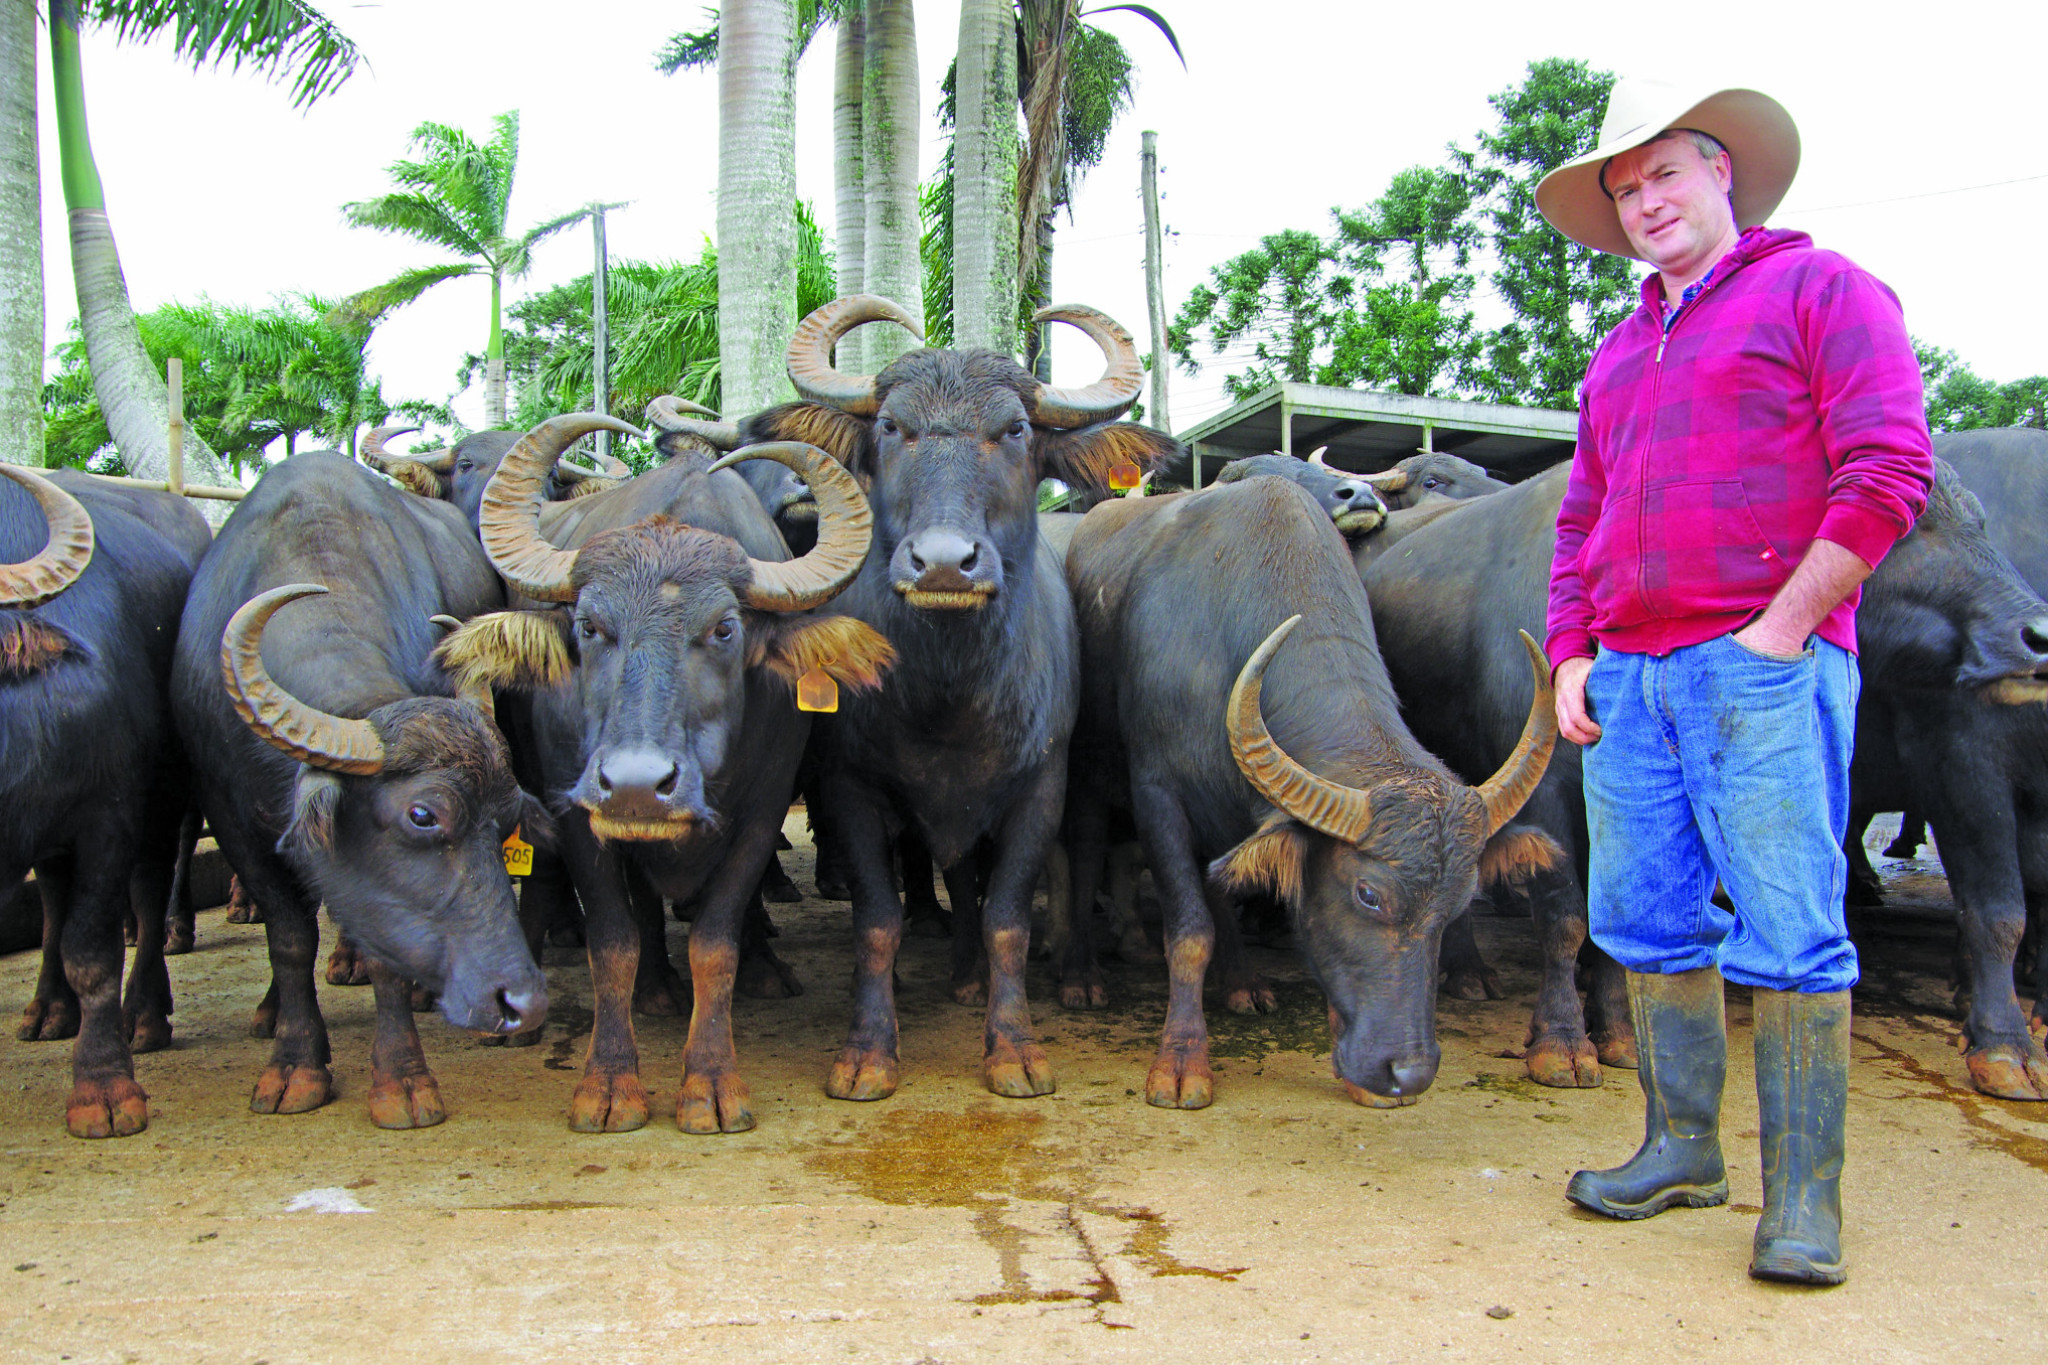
985,177
756,201
890,114
849,185
21,241
131,392
494,357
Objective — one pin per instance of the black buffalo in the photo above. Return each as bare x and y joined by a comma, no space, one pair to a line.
459,473
1370,841
662,721
91,785
968,740
336,763
1349,499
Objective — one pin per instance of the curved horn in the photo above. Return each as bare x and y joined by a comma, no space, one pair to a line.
1507,789
445,622
1123,378
1387,480
677,404
845,526
810,351
306,733
372,452
509,518
1315,457
64,555
441,461
1328,807
665,414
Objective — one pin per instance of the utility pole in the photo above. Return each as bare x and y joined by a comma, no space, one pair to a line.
601,333
1155,290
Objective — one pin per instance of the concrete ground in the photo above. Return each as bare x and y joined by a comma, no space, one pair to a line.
1284,1224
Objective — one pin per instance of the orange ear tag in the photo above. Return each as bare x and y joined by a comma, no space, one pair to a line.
1125,475
816,691
518,855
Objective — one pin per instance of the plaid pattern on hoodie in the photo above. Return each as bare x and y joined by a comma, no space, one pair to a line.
1782,403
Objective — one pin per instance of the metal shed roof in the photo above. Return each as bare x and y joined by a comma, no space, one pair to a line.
1367,432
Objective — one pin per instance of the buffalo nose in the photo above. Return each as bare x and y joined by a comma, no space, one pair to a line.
2034,635
521,1010
637,774
1413,1076
1346,491
943,560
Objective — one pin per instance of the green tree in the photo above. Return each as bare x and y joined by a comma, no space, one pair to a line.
283,38
1959,399
457,196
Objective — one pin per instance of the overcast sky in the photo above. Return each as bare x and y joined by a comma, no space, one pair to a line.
1923,159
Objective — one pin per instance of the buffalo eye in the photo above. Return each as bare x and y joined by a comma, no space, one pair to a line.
1430,482
889,427
586,629
1017,427
1368,899
419,817
466,466
723,632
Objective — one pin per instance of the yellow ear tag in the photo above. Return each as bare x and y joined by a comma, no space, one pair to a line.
1124,476
816,691
518,855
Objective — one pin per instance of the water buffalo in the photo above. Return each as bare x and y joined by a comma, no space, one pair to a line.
91,783
1432,474
968,741
459,473
1952,723
661,716
782,490
1350,500
336,763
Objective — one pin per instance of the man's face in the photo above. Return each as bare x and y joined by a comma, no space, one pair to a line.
1673,204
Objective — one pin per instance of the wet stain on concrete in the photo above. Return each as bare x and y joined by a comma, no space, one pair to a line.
576,1022
1975,1108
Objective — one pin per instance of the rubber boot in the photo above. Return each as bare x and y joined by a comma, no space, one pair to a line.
1682,1043
1802,1089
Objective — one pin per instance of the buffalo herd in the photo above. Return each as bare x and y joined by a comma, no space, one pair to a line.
471,697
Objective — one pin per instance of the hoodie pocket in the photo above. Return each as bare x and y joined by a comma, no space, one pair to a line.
1704,552
1608,560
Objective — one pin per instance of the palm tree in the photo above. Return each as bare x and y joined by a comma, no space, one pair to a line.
285,38
756,186
21,240
457,196
889,120
984,173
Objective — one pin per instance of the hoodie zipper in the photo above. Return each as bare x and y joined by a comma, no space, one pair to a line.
1643,469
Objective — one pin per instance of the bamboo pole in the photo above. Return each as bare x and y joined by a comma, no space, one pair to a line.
176,482
1155,289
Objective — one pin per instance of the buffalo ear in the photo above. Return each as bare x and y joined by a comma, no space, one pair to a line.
416,478
1083,458
839,434
1517,855
536,821
854,653
316,797
507,649
29,644
1271,860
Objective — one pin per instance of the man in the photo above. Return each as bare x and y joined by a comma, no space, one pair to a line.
1751,442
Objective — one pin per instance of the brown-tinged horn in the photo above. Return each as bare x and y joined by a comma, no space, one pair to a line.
1507,789
1123,378
509,519
845,526
64,555
666,414
1328,807
810,351
305,732
441,461
1315,457
372,451
1387,480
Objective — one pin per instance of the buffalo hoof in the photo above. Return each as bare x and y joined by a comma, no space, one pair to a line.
1863,895
405,1101
1617,1049
973,991
524,1038
1478,984
422,1000
345,967
777,888
928,923
1180,1079
129,937
662,996
1360,1095
566,934
1084,992
291,1089
1565,1063
2011,1071
833,885
263,1021
242,908
149,1029
2037,1029
179,938
714,1100
113,1107
47,1021
859,1074
764,976
608,1102
1251,995
1017,1071
1134,947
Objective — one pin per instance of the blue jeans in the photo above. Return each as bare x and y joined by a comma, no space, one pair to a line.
1718,760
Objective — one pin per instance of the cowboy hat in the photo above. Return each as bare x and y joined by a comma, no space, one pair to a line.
1762,143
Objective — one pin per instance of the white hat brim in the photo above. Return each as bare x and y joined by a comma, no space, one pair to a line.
1763,147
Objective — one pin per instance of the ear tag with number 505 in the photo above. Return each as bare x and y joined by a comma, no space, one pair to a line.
518,855
816,691
1125,476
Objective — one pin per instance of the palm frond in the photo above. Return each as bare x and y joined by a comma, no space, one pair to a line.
1158,22
419,216
282,38
372,305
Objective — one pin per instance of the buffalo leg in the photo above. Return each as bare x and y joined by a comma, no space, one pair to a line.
1244,990
105,1100
610,1097
52,1012
180,921
1558,1051
146,1011
970,953
242,907
867,1067
1012,1063
403,1092
1074,959
346,966
1180,1077
296,1079
762,975
924,916
2004,1057
658,988
1126,861
1466,973
1912,834
712,1097
1865,889
776,886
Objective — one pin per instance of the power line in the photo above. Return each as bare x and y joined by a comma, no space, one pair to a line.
1926,194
